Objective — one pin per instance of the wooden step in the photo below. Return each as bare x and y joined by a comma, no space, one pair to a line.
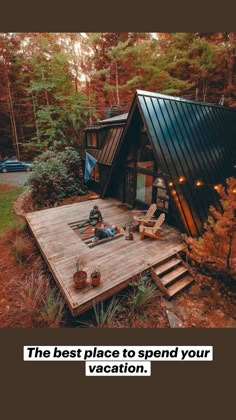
173,275
166,266
179,285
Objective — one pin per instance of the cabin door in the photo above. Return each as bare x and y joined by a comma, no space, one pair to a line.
129,187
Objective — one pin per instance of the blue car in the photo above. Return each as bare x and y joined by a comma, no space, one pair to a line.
12,165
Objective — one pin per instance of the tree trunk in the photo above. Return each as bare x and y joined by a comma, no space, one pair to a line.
45,92
196,92
228,258
204,90
46,97
76,84
230,62
89,98
21,126
12,117
117,85
35,117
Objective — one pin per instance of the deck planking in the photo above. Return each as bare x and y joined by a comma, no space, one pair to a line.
119,260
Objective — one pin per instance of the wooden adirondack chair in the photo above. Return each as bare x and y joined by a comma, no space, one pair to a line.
138,218
152,232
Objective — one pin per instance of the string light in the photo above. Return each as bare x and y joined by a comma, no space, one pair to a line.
181,179
198,183
234,191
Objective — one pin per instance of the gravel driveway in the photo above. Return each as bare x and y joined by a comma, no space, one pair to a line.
14,178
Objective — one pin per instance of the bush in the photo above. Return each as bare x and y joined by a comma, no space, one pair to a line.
56,176
22,249
141,294
40,304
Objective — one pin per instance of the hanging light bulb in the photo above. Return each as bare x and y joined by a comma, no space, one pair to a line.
234,190
181,179
198,183
216,187
170,184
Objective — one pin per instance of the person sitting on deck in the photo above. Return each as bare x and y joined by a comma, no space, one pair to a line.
95,215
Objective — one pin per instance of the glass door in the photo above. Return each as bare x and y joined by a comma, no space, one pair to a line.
144,188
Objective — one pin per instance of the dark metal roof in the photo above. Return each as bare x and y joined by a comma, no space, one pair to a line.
117,118
194,140
94,127
106,154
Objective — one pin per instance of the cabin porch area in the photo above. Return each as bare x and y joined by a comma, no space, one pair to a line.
119,259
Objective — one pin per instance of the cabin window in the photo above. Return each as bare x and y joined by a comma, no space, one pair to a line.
144,188
145,158
92,140
95,173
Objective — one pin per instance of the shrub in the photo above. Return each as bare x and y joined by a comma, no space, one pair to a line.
141,294
53,308
22,249
103,314
41,305
56,176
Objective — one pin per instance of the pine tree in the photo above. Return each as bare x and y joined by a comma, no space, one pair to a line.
216,249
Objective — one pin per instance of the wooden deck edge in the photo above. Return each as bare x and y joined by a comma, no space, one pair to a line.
61,289
117,288
103,296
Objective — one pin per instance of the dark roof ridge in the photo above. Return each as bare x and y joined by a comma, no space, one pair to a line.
140,92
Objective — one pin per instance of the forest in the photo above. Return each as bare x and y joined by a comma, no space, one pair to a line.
54,84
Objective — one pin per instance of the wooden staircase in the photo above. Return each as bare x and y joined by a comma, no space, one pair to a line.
171,275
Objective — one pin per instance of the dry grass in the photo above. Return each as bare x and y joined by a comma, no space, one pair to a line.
22,248
28,298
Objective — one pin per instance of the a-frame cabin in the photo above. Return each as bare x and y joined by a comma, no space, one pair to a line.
173,152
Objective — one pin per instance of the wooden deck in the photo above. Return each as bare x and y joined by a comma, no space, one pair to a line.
119,259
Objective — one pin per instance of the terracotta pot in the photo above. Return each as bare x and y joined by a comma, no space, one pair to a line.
80,278
96,280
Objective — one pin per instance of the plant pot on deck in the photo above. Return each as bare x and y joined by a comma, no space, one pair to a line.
95,278
80,278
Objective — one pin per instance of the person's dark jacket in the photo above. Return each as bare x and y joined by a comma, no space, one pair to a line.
95,215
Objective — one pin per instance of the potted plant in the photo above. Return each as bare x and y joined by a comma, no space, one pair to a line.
95,277
80,276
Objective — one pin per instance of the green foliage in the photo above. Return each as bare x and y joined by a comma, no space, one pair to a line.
56,176
142,292
8,218
60,82
104,314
